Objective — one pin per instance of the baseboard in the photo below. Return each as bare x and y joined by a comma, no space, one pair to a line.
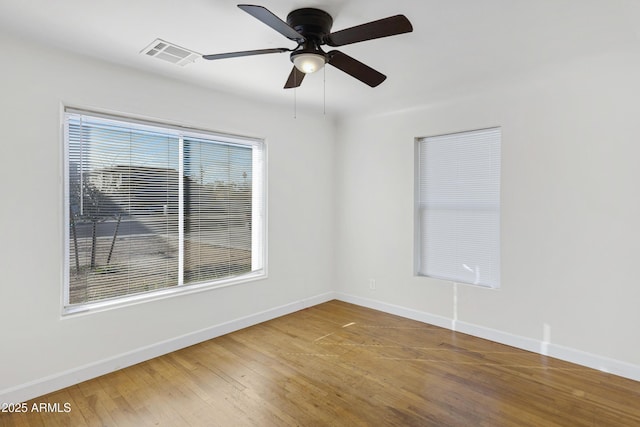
517,341
594,361
61,380
68,378
408,313
601,363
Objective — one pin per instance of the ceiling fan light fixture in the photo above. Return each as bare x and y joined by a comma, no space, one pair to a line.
311,29
308,62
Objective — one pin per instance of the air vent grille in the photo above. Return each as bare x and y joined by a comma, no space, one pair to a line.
170,52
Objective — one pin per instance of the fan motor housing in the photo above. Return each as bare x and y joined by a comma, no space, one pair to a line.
310,22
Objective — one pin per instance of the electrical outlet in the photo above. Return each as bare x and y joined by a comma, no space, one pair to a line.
372,283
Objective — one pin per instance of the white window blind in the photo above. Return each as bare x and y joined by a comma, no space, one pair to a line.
153,207
217,201
458,207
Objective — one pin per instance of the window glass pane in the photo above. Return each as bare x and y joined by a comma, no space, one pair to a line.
458,207
218,209
123,201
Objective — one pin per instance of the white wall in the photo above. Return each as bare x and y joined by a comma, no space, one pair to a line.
570,211
39,350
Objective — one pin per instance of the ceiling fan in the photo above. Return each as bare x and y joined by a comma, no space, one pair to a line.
310,28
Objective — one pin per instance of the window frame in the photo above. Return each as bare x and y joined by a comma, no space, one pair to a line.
180,288
420,206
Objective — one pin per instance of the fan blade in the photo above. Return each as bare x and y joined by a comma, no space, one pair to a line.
267,17
355,68
245,53
295,78
386,27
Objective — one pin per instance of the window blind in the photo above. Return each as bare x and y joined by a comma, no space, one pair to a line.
458,207
152,208
218,209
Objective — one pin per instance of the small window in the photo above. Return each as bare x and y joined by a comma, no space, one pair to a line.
458,207
153,208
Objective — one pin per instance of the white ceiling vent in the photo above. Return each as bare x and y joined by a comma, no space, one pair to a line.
170,52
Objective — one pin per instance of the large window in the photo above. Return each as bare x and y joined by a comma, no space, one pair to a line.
458,207
154,208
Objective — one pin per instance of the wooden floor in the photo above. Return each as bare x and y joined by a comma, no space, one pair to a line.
338,364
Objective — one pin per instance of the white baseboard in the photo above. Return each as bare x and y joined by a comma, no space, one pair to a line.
501,337
42,386
64,379
408,313
594,361
601,363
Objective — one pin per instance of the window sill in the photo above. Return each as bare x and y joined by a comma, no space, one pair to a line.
126,301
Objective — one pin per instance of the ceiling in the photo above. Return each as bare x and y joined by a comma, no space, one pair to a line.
456,45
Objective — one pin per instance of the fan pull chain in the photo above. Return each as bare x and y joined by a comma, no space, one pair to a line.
324,91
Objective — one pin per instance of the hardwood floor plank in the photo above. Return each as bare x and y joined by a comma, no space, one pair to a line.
338,364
